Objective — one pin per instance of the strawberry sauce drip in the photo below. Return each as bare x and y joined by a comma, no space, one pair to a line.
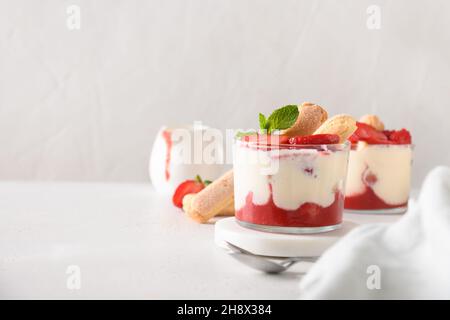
168,139
368,200
307,215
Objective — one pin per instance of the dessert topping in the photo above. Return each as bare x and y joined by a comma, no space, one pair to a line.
372,120
370,135
311,116
342,125
323,138
399,136
280,119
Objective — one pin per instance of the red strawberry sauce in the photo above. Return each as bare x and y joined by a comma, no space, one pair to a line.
168,139
307,215
368,200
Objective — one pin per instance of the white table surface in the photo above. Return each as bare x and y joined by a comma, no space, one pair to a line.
128,243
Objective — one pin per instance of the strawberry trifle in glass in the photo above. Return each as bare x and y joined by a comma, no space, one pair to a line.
292,184
379,173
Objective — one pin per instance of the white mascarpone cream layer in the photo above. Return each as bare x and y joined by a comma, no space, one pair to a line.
297,176
390,164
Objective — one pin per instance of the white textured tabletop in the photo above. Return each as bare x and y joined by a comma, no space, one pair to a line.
80,240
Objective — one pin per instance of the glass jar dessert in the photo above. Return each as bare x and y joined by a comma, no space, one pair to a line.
289,187
379,173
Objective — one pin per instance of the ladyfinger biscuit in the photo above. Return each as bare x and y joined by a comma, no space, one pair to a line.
310,117
187,200
372,120
213,199
343,125
227,211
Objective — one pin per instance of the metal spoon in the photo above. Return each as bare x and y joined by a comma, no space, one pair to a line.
263,263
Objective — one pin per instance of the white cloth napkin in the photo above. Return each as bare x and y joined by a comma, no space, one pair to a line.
409,259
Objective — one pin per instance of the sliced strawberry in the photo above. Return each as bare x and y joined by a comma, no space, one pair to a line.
283,139
376,140
315,139
368,134
353,138
400,136
387,133
269,139
186,187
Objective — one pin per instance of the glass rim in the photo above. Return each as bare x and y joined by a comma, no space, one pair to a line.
294,146
412,145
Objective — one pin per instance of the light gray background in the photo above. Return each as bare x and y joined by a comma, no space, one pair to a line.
85,105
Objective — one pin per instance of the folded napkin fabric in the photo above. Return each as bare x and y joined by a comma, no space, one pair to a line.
409,259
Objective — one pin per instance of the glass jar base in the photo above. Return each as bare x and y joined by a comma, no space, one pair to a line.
399,210
288,230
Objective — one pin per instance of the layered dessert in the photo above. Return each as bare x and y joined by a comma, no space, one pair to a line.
379,173
297,186
292,178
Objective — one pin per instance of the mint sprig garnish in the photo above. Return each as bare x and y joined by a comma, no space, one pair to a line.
263,122
280,119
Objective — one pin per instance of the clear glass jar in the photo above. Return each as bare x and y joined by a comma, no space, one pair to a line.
379,178
290,188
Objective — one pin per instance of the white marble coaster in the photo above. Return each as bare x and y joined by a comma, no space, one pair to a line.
275,244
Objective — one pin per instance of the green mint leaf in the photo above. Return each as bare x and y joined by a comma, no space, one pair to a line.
207,182
262,122
282,118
